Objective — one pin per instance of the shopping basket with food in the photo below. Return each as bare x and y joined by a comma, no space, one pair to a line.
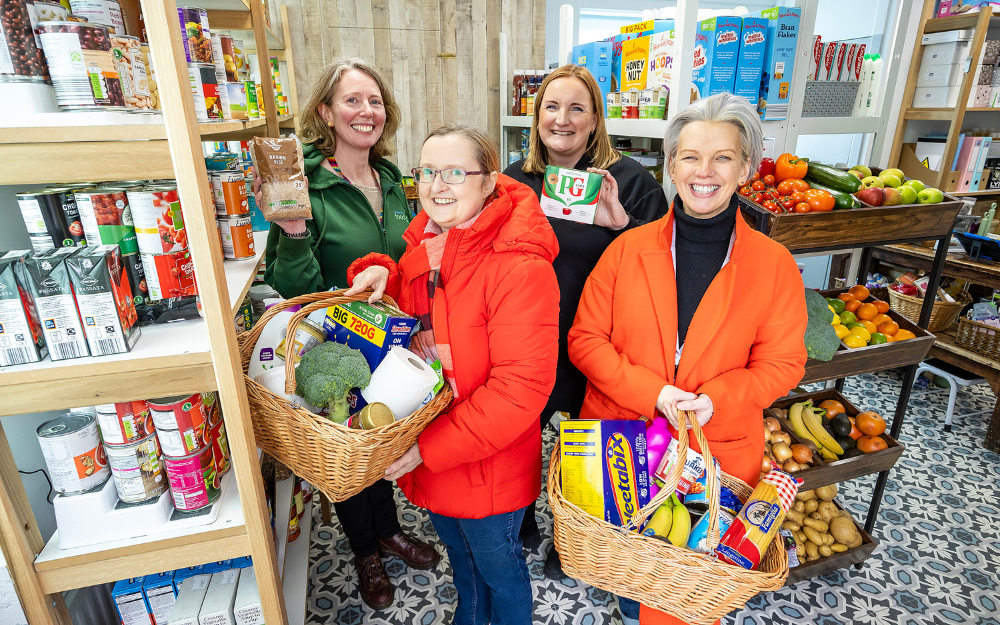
697,587
337,459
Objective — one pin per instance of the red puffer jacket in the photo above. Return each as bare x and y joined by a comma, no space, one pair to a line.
483,456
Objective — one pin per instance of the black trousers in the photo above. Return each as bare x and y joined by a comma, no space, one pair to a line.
368,516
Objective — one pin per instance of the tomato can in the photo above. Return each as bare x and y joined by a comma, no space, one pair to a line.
197,38
224,58
220,448
137,469
229,190
108,12
184,413
157,218
52,218
194,481
169,275
71,446
237,237
205,89
125,422
106,217
81,65
175,443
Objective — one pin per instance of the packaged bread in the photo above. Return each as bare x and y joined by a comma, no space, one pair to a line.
283,186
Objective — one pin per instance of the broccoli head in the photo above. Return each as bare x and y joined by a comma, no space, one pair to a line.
327,372
821,339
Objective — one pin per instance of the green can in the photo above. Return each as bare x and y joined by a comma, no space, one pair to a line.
244,316
107,218
253,110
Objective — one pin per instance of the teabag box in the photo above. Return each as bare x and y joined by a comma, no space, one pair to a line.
604,469
570,194
716,55
779,61
751,58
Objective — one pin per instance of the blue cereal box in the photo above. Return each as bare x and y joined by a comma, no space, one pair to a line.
616,57
604,468
215,567
372,329
751,59
779,60
182,574
130,601
160,596
242,563
596,57
716,55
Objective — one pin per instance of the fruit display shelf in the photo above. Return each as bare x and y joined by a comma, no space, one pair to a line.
822,472
806,570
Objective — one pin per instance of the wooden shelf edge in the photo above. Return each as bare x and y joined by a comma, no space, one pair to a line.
934,114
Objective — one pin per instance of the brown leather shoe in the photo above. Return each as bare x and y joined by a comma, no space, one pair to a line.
373,582
416,553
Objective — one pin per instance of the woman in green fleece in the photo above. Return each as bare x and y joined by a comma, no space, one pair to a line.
358,207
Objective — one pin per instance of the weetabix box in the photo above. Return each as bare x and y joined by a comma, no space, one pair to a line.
779,61
160,596
751,58
604,468
372,329
716,55
131,603
570,194
596,57
662,53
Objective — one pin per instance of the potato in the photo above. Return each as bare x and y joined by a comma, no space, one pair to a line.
829,539
838,548
806,495
811,506
828,510
827,493
800,551
799,506
788,525
843,530
795,516
825,551
801,536
857,541
813,535
817,525
812,551
812,558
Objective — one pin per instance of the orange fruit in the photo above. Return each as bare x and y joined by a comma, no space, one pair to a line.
859,292
855,432
903,335
890,338
870,423
852,306
881,318
832,407
868,444
845,297
867,312
883,307
869,325
888,328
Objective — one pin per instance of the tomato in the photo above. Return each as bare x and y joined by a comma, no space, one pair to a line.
757,197
746,191
768,180
756,175
788,204
772,206
798,196
785,187
800,185
819,200
774,195
757,185
802,207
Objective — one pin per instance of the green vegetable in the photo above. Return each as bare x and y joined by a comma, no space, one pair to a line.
327,372
834,178
841,200
821,339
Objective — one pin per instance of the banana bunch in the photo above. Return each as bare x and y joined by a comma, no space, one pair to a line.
809,426
671,522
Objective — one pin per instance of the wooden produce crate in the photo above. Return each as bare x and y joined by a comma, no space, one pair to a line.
847,361
823,472
806,570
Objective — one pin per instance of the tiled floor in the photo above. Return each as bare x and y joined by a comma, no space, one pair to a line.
938,562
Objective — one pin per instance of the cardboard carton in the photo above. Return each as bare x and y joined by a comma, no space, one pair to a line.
753,48
570,194
716,55
190,597
779,61
130,602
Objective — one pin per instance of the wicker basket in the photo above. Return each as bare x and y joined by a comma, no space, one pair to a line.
692,586
942,315
978,337
336,459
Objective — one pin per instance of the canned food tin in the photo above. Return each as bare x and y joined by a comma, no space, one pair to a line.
220,448
229,190
106,218
127,53
71,446
136,277
244,316
20,47
137,469
51,218
205,89
125,422
107,12
630,104
197,38
222,162
237,237
169,275
185,413
174,443
224,58
147,63
50,11
194,481
82,68
253,110
236,93
157,218
213,412
372,416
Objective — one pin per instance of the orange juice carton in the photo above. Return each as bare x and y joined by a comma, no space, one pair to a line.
716,55
779,60
747,539
570,194
604,469
750,64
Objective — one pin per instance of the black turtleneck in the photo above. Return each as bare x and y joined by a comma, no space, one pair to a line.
701,246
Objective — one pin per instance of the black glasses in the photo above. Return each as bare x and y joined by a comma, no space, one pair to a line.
449,176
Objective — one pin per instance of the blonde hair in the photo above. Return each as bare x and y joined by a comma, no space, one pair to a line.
721,108
317,132
602,154
486,150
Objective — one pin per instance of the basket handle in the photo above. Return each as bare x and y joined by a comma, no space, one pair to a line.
686,419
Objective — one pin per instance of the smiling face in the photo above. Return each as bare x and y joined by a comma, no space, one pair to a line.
708,167
449,205
356,110
566,119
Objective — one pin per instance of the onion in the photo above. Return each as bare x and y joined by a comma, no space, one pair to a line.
765,465
772,424
793,467
767,434
781,452
802,454
781,437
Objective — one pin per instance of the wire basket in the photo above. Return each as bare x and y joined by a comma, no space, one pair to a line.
978,337
942,315
336,459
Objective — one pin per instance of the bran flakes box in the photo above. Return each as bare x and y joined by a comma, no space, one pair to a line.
604,469
716,55
372,329
570,194
751,58
779,61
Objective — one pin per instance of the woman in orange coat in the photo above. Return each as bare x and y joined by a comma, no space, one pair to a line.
699,274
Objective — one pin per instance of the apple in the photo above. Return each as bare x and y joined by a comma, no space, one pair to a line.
859,175
865,172
890,179
917,185
892,197
872,181
908,194
872,195
895,172
567,211
930,195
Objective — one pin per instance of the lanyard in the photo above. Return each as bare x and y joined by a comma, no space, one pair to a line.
339,172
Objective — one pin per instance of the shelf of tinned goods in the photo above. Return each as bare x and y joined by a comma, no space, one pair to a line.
235,15
167,359
65,569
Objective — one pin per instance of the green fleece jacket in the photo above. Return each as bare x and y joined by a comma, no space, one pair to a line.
343,228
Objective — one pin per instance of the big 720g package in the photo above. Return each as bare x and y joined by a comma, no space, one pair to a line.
372,329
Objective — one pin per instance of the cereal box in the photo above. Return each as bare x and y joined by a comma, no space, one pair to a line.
635,58
617,42
779,61
604,468
131,604
661,59
751,58
570,194
596,57
716,54
372,329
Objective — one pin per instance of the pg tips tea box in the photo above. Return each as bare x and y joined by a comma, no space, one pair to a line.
751,58
570,194
604,469
716,55
779,60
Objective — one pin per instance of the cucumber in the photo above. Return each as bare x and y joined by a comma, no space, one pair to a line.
834,178
841,200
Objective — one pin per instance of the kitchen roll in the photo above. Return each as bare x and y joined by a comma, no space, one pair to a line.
401,381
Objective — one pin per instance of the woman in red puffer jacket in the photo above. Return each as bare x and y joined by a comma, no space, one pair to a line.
477,273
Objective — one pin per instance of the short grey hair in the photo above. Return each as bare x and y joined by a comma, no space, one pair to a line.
720,108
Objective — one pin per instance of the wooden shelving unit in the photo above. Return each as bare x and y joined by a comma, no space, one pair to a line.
182,357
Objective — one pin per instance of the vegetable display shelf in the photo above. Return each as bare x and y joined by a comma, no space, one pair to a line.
856,556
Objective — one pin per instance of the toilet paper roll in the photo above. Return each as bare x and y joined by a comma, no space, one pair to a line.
401,381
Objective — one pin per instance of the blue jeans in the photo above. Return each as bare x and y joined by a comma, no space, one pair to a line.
490,572
629,609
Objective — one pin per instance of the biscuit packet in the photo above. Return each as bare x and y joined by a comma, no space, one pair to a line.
283,186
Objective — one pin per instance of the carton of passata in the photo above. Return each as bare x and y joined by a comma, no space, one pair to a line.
570,194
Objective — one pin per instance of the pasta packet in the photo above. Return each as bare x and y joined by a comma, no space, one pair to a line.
283,186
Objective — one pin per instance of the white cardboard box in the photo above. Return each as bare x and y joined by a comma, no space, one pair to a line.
936,97
247,609
948,36
945,53
218,606
940,75
190,598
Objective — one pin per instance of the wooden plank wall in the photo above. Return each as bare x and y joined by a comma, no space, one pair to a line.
440,56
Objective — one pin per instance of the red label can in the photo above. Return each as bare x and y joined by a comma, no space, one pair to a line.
220,448
194,482
177,443
184,413
169,275
125,422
